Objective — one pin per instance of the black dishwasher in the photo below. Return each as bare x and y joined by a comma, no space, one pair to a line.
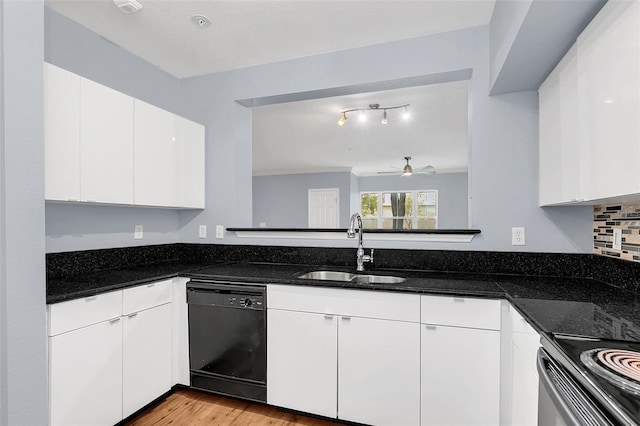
227,338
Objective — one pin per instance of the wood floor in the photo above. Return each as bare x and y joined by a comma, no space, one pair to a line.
189,407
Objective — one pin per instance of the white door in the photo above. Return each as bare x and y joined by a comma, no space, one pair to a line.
460,372
85,375
146,357
379,371
302,361
155,151
323,208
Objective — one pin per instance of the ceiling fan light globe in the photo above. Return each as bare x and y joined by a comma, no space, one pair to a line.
407,171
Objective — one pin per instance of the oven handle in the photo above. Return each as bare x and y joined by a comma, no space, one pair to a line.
558,401
578,411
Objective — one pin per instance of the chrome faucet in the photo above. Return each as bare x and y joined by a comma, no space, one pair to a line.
361,258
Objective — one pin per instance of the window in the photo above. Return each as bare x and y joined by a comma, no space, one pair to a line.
399,210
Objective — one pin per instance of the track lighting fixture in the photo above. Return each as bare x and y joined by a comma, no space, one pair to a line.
373,107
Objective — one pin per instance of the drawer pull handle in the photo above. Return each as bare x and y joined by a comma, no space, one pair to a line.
458,299
90,298
135,314
346,318
328,317
150,285
114,320
430,327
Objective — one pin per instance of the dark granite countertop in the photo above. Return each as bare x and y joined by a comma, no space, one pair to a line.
574,306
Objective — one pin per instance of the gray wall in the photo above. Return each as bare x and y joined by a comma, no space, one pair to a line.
452,193
23,356
81,227
503,139
282,200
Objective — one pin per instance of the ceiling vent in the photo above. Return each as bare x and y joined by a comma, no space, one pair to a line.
128,6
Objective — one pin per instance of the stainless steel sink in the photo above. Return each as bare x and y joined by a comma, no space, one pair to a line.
347,276
377,279
327,275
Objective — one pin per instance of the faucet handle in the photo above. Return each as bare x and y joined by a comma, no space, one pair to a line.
371,256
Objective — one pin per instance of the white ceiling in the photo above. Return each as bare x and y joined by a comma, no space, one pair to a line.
245,33
303,136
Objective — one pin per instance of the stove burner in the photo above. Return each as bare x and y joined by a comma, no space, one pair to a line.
620,367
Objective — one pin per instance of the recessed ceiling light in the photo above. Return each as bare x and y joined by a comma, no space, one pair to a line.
201,20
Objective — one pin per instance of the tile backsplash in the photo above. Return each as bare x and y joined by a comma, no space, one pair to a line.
625,217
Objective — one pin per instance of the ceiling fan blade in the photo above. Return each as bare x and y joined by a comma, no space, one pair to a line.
425,168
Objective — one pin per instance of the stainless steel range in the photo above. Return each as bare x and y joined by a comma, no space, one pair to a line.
588,381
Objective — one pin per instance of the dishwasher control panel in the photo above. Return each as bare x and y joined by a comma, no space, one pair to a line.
226,295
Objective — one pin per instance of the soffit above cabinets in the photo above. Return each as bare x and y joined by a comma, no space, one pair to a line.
245,33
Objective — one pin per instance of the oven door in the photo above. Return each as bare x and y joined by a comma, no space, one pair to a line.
561,401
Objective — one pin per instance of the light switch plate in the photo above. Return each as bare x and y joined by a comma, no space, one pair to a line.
137,233
202,231
617,239
219,231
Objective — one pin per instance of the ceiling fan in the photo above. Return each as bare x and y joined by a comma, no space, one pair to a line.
407,170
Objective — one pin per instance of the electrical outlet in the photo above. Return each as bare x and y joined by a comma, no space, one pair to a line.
202,231
617,239
137,232
219,231
517,236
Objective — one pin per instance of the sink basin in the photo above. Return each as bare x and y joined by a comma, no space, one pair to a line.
356,278
377,279
327,275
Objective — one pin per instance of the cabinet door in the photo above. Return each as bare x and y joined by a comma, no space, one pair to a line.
61,134
378,371
609,84
563,158
85,375
302,361
155,156
524,390
191,148
146,357
106,135
460,371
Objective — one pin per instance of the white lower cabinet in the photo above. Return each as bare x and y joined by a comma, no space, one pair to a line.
347,354
110,354
460,376
460,361
378,365
523,402
85,375
146,357
302,361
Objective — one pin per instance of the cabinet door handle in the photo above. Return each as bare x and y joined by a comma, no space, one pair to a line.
458,299
135,314
328,317
90,298
151,285
346,318
430,327
114,320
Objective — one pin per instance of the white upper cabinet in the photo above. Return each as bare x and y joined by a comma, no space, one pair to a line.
155,155
609,96
106,155
102,146
62,133
589,109
562,157
190,145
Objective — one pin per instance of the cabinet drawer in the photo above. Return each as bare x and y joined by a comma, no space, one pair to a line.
460,312
146,296
74,314
357,303
519,324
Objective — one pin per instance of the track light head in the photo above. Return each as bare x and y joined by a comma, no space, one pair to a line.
342,119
